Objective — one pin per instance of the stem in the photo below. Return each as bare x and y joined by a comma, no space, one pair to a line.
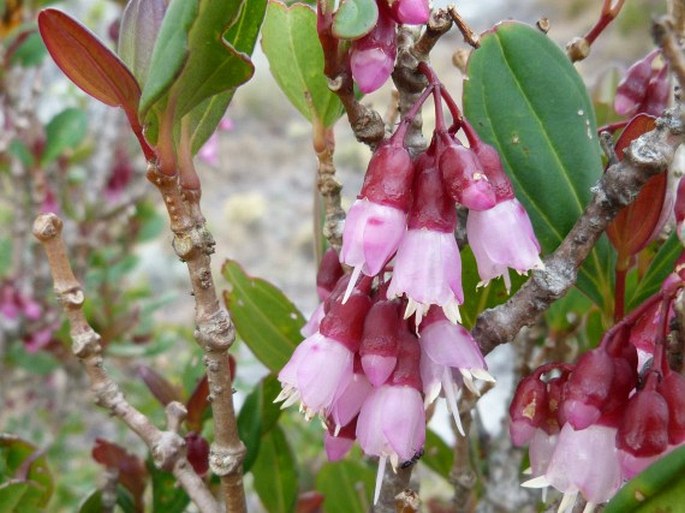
167,447
608,15
620,288
214,332
329,188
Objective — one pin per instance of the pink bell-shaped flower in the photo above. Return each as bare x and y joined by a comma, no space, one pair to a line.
376,222
372,58
338,442
321,367
428,265
347,405
585,462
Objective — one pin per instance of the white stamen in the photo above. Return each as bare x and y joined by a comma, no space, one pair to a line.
411,308
451,398
507,281
482,374
379,478
451,311
567,502
589,507
527,472
468,381
353,281
536,482
336,432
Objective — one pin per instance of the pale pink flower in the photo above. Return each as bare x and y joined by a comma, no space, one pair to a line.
502,238
411,12
372,58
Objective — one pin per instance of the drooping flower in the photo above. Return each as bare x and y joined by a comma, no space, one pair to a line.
427,266
448,347
377,219
372,58
321,367
380,340
410,12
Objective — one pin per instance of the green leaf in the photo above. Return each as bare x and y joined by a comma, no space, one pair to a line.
167,496
266,320
658,489
660,267
64,132
170,52
275,475
257,416
346,485
355,18
31,52
480,298
205,117
92,503
291,44
214,66
20,497
437,456
15,454
524,97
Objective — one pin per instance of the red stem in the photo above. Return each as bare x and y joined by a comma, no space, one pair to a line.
607,16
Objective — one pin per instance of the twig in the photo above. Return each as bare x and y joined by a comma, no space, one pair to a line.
214,331
666,38
394,484
108,491
579,48
167,447
328,186
648,155
462,476
676,10
470,36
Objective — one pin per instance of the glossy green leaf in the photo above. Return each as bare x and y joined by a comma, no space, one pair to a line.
524,97
214,66
291,44
23,462
257,416
478,298
30,52
438,456
93,503
64,132
355,18
20,497
205,117
566,311
88,62
660,488
170,51
167,496
660,267
266,320
275,475
346,486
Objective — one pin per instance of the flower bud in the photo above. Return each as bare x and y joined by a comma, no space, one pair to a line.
672,389
410,12
587,388
631,91
528,410
344,322
464,177
379,342
198,453
330,271
372,58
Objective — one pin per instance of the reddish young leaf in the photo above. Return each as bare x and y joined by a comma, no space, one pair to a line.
632,229
132,472
198,453
309,502
92,66
163,391
199,400
87,61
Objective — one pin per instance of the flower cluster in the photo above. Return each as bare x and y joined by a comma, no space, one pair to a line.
386,340
21,313
593,425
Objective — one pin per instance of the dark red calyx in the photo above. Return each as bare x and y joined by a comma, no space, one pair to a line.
330,271
381,329
528,409
389,176
407,372
464,178
431,208
345,322
672,389
643,431
492,167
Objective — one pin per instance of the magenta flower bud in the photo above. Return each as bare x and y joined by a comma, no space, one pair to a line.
587,388
632,89
330,271
377,220
379,342
140,24
528,410
492,167
643,431
344,322
464,178
428,266
410,12
372,58
503,238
